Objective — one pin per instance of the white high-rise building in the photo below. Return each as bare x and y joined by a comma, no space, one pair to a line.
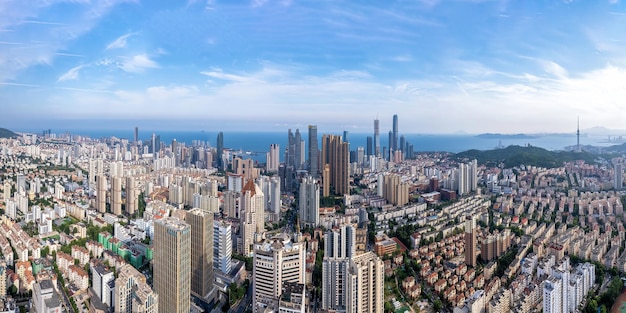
339,247
222,246
276,261
273,158
552,295
309,204
100,278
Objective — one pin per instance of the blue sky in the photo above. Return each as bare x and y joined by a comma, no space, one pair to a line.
442,65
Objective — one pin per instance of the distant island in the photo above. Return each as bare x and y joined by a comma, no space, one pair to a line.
505,136
5,133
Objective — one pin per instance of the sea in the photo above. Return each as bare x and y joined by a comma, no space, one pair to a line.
257,144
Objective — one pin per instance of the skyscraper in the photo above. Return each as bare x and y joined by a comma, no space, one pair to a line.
365,284
136,135
220,151
297,157
339,247
394,142
276,261
201,223
369,150
313,152
376,138
336,155
273,158
172,264
309,204
470,241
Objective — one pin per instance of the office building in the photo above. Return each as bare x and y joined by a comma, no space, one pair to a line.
313,152
336,161
100,278
365,284
222,246
276,261
339,247
273,159
132,294
201,223
101,193
309,202
45,298
172,264
136,135
470,241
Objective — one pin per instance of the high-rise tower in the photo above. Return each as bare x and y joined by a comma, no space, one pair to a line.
220,151
313,152
365,284
309,204
376,138
336,162
339,247
394,143
172,264
470,241
201,223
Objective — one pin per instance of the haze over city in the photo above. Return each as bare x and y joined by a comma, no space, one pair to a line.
447,66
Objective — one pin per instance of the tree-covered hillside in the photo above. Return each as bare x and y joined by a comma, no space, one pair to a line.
517,155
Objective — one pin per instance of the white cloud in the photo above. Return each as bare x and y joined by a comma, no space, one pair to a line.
72,74
554,69
120,42
137,63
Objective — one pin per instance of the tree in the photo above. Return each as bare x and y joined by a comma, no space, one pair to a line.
438,305
45,251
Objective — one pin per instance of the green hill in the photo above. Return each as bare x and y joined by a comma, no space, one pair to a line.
515,155
5,133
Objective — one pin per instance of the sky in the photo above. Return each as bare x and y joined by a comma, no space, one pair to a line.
444,66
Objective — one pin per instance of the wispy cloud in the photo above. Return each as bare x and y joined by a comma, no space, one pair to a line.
120,42
137,63
72,74
17,84
42,22
219,74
